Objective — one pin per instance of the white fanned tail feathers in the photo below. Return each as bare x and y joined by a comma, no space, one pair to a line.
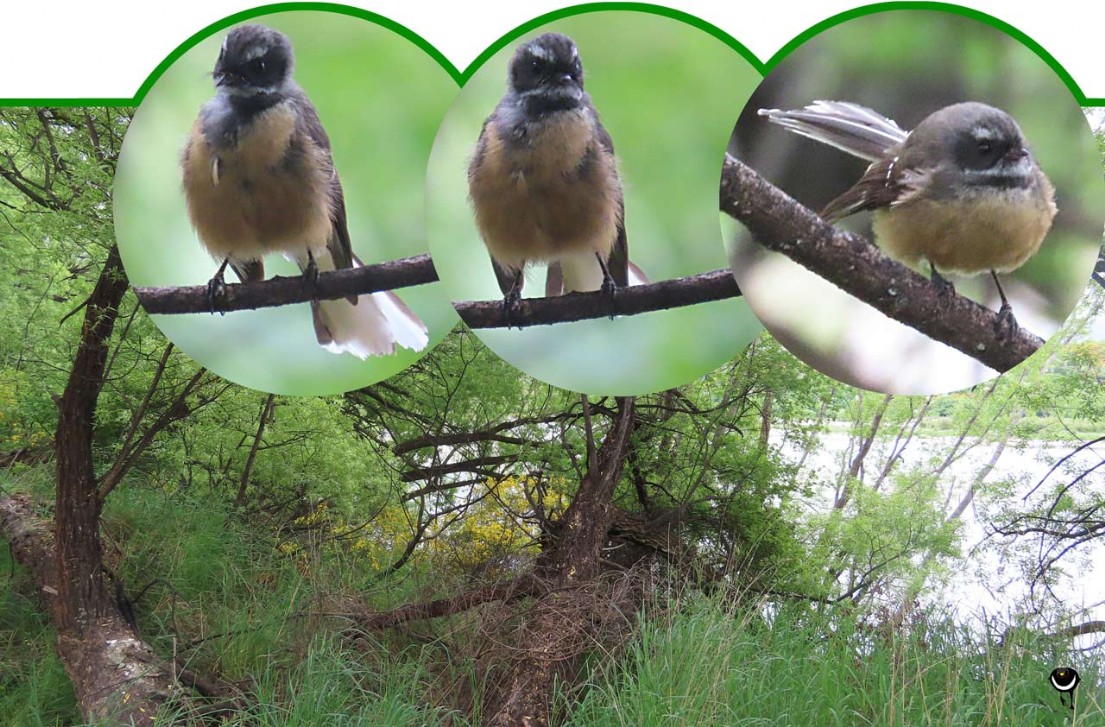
848,126
372,327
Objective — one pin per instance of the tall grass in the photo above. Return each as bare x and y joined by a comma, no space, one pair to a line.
335,685
34,688
706,663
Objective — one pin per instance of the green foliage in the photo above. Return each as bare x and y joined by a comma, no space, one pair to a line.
452,474
50,245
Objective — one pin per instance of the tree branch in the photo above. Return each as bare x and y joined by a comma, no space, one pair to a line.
859,268
247,470
520,587
492,433
284,290
476,464
1081,629
691,290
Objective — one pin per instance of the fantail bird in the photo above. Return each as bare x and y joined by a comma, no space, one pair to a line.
962,191
544,180
259,179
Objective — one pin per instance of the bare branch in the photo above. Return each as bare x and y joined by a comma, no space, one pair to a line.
266,414
691,290
476,464
859,268
1081,629
520,587
283,290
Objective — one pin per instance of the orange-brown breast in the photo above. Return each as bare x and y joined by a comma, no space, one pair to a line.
557,194
998,232
262,195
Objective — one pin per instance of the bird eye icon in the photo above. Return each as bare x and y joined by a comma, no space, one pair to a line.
1065,679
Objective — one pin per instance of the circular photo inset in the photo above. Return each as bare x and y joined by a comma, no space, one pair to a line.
292,144
577,167
959,152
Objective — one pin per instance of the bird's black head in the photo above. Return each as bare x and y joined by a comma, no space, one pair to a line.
986,137
547,75
254,60
984,143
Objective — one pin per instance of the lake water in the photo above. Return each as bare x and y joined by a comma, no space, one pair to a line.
990,582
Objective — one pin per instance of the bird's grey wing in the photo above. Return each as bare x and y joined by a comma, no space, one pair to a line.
339,245
618,262
880,186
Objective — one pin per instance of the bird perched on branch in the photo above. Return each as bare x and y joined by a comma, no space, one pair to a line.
544,180
259,179
961,192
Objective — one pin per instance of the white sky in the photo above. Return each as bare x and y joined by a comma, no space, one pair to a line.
107,48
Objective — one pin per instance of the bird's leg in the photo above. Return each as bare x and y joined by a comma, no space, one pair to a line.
609,287
1006,319
216,286
310,272
513,296
1005,307
943,285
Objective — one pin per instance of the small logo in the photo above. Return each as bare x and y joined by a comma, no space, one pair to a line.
1065,679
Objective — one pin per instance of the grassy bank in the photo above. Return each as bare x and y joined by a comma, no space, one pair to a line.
228,601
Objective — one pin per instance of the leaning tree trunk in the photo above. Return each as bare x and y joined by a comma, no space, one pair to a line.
557,623
115,675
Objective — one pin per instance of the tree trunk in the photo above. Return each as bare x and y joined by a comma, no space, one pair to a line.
553,633
116,676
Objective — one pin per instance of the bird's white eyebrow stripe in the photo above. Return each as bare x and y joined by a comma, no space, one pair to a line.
256,51
541,51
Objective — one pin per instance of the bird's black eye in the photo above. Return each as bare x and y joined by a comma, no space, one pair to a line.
980,149
535,65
